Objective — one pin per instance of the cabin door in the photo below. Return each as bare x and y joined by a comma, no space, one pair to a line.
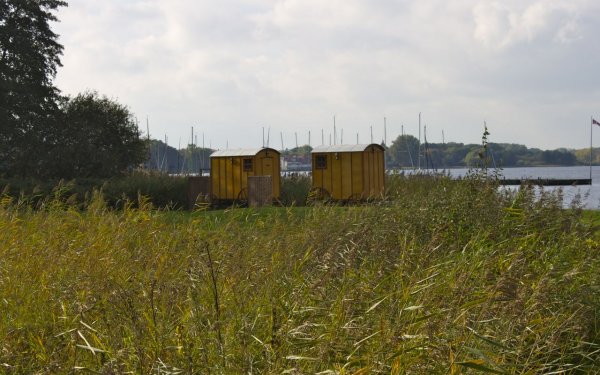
267,166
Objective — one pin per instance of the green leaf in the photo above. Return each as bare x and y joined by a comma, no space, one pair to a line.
300,358
488,340
473,303
478,364
375,305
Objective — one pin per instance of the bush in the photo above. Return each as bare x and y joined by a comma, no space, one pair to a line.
294,189
161,190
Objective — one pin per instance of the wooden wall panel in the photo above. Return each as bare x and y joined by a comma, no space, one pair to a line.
229,178
357,174
236,176
327,176
336,176
346,175
222,179
214,173
317,174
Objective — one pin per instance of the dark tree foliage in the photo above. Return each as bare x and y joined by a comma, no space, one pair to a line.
29,57
300,150
98,138
403,152
559,157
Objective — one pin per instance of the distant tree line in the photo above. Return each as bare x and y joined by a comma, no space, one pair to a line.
44,134
404,152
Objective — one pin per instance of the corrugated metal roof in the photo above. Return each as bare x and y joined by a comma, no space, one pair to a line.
344,148
240,152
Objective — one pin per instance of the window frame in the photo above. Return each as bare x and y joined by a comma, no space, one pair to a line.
248,164
321,161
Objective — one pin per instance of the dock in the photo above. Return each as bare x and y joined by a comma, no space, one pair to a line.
545,181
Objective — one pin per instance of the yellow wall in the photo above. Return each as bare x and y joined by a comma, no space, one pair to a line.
261,162
351,175
374,173
228,177
345,174
317,175
336,176
356,173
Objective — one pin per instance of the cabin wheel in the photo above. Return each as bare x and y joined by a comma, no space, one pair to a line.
243,195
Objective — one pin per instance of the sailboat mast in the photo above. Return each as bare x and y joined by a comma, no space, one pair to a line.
419,148
334,132
384,131
591,148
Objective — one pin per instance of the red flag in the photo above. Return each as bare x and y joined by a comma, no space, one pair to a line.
595,122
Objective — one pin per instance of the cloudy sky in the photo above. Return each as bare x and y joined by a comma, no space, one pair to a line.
529,68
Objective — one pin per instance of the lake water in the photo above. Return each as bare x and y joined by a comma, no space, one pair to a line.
590,194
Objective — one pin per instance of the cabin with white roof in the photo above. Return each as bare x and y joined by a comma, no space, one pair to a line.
348,172
230,169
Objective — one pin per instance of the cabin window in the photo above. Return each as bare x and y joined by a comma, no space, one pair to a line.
321,162
247,165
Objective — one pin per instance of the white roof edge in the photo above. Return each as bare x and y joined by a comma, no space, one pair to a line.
344,148
241,152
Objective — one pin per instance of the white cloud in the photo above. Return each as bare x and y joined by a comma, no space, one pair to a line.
504,24
234,66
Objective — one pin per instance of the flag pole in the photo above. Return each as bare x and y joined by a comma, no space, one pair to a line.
591,148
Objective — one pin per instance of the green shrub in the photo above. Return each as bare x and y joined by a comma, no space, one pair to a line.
294,190
161,190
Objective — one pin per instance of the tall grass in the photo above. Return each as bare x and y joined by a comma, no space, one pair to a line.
444,277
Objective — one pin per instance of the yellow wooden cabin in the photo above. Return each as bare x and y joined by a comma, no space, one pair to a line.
348,172
230,169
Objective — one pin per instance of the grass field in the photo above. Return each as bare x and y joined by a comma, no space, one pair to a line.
443,277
